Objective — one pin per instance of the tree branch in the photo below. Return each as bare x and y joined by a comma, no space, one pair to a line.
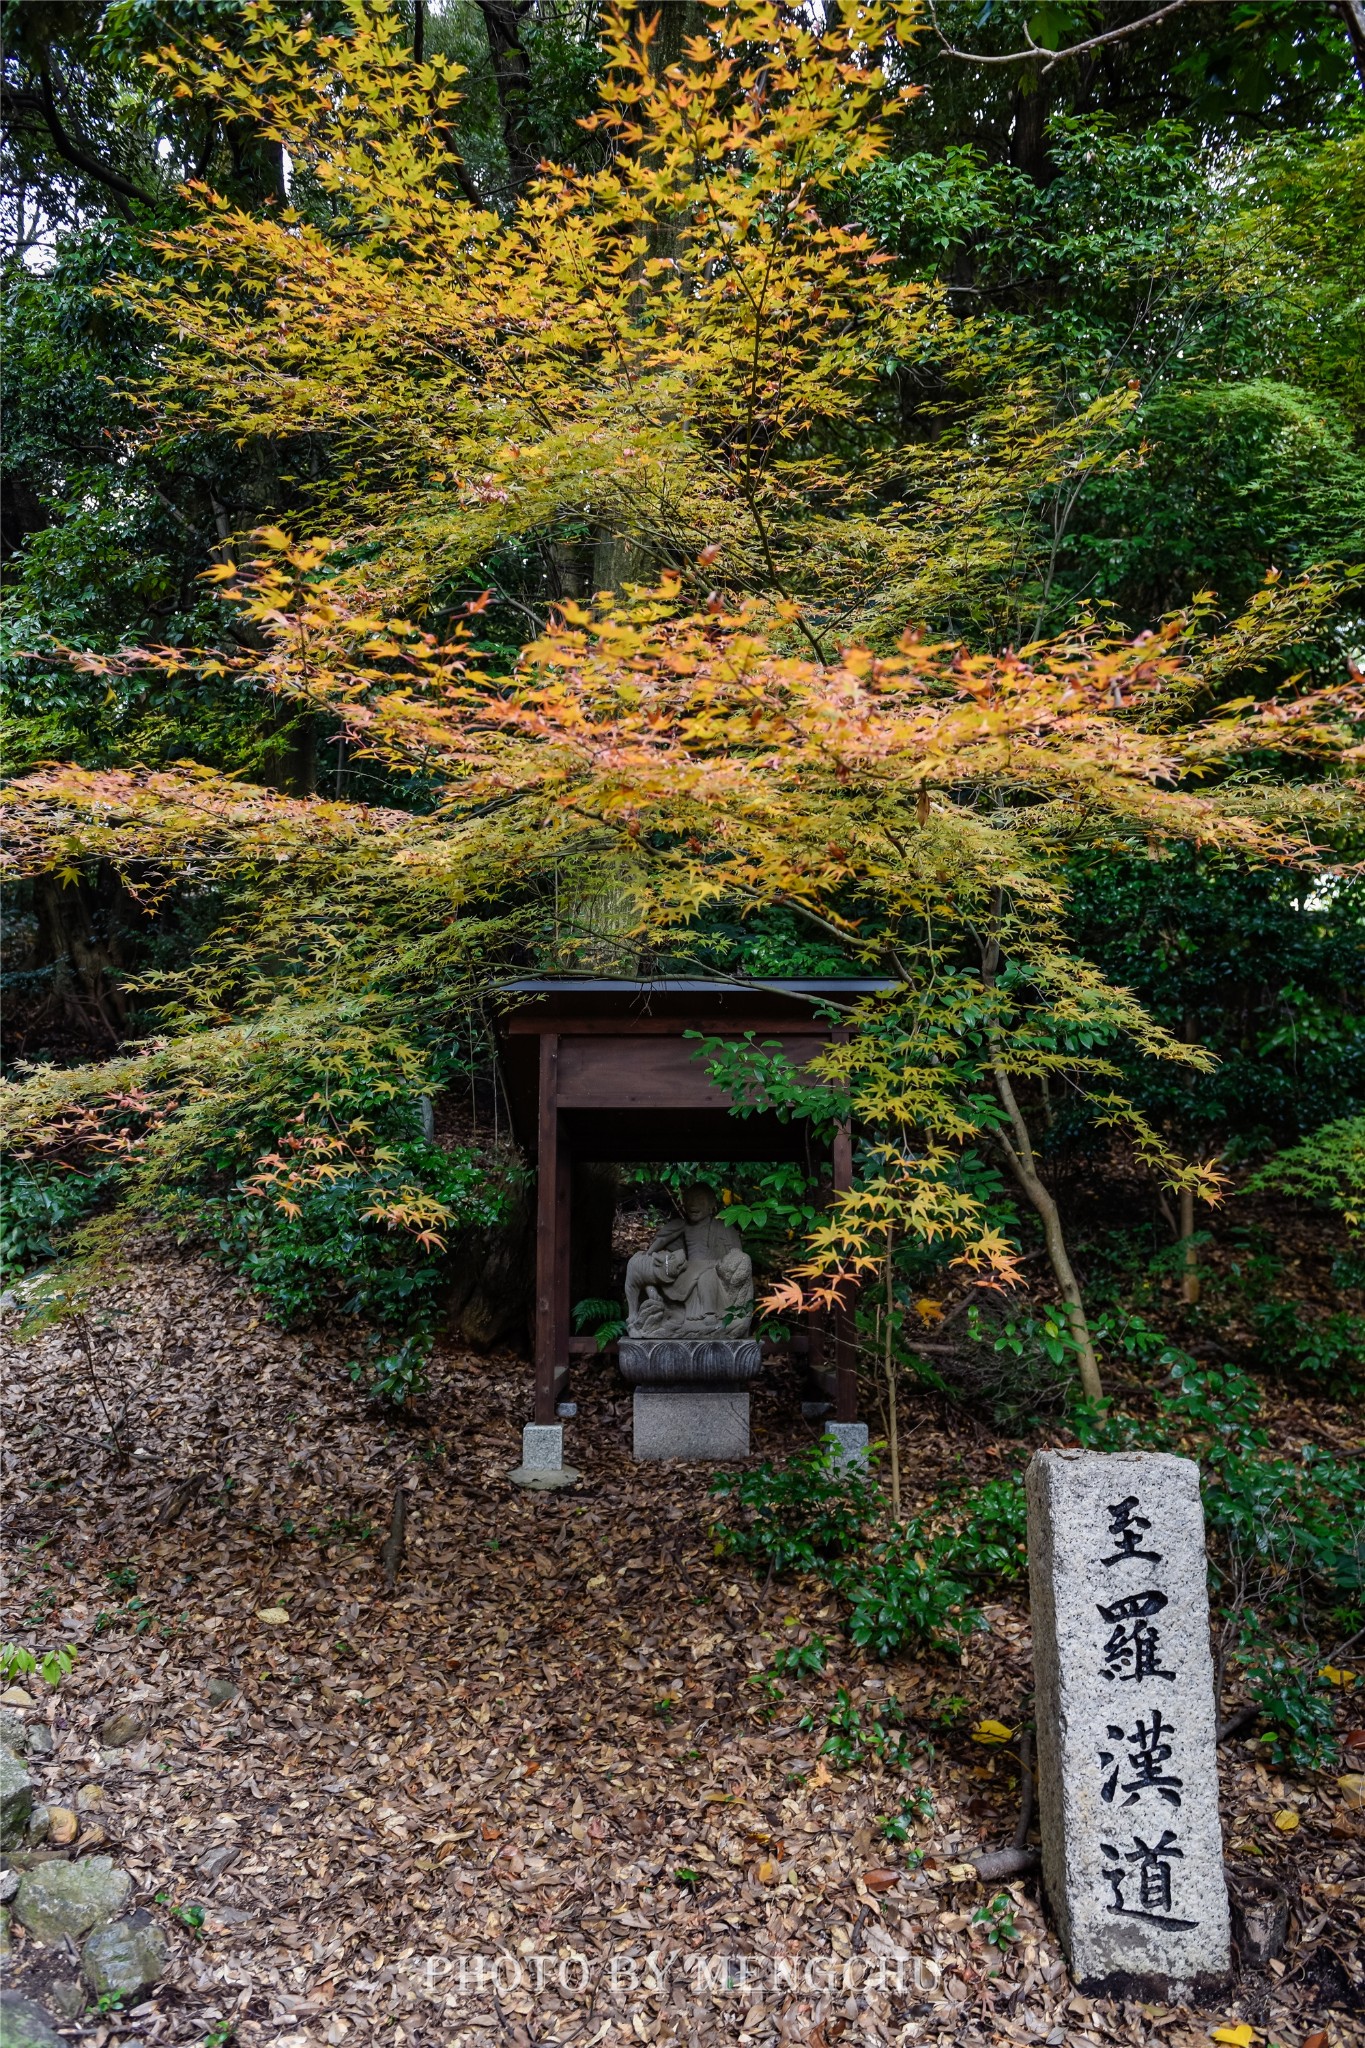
74,152
1054,57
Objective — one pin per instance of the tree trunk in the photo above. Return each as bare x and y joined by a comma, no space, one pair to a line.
512,75
1189,1279
1024,1168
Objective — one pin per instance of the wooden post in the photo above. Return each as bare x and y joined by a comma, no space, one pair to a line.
845,1343
563,1294
548,1217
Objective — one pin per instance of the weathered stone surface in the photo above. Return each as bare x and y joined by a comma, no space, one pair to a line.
130,1956
25,2025
16,1797
88,1797
851,1439
62,1825
123,1728
220,1691
9,1885
68,1995
71,1898
1128,1782
40,1741
14,1730
691,1422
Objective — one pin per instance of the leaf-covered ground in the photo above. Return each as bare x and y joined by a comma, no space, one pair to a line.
540,1793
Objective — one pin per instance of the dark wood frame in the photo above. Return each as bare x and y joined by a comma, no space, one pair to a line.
589,1073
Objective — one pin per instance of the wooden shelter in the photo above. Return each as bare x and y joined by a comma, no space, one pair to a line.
604,1070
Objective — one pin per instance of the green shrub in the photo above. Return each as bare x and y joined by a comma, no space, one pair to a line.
38,1205
331,1250
800,1517
918,1586
1330,1348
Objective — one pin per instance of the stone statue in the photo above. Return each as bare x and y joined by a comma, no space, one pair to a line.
695,1279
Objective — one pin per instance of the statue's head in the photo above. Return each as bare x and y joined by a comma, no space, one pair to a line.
697,1203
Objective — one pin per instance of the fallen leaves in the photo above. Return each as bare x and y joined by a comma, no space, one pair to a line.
478,1761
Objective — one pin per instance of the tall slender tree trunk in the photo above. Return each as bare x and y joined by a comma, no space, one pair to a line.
1023,1166
1189,1278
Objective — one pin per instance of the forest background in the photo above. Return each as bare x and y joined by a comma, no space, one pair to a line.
491,490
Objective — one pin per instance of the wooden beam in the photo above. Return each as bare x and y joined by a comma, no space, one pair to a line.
547,1232
539,1026
845,1341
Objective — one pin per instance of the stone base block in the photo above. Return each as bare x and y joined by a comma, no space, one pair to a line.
851,1438
542,1466
710,1423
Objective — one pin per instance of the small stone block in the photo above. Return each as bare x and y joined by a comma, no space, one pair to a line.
1127,1763
567,1410
542,1468
851,1437
710,1423
542,1446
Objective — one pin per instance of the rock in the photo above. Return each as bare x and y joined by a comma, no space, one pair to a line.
16,1797
40,1741
15,1696
216,1861
1126,1726
220,1691
129,1957
89,1797
62,1825
1260,1916
71,1898
9,1885
6,1939
68,1995
25,2025
123,1728
14,1731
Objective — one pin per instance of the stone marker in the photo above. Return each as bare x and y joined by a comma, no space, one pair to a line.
850,1442
1127,1772
542,1466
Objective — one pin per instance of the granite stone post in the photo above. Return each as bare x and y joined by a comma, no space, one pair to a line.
542,1468
1126,1722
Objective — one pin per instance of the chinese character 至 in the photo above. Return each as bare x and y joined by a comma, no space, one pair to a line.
1127,1528
1132,1651
1153,1874
1148,1752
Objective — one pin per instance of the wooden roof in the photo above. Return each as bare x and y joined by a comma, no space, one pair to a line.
627,1082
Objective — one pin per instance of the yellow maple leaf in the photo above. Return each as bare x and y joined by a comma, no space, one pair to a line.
1240,2036
991,1732
1286,1820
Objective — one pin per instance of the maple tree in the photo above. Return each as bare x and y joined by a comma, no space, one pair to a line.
680,357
